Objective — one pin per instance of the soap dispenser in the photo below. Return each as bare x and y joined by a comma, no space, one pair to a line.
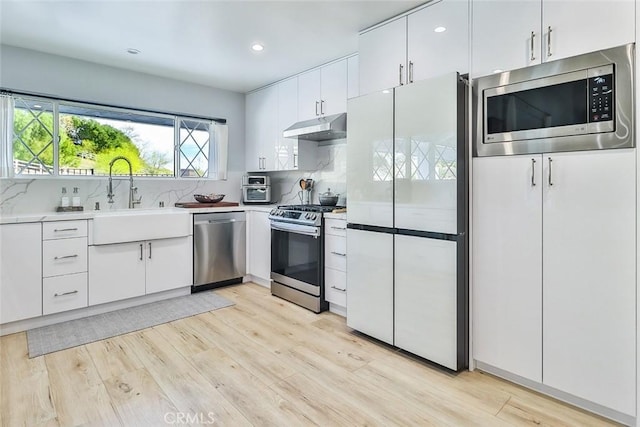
64,200
76,197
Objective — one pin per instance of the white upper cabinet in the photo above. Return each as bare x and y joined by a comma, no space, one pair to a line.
271,110
353,77
308,95
261,129
438,40
409,49
333,79
323,91
383,55
506,35
286,154
583,27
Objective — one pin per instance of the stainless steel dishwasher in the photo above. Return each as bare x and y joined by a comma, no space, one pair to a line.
219,249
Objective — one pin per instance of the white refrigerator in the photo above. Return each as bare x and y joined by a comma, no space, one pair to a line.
407,218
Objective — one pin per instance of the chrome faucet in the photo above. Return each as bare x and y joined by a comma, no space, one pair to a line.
132,189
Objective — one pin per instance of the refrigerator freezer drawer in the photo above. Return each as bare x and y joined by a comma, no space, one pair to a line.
426,298
370,299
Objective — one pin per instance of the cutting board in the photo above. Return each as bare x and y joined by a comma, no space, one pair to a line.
206,205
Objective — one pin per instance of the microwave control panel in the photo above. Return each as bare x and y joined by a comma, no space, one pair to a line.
601,98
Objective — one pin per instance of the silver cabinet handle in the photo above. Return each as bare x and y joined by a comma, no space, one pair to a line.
322,101
295,160
66,257
338,289
401,69
549,41
65,293
533,56
58,230
550,180
141,249
149,250
338,253
338,228
410,72
317,103
533,172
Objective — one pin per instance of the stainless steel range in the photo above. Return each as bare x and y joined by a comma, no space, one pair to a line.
297,255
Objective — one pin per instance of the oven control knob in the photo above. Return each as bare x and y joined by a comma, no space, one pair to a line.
273,211
312,216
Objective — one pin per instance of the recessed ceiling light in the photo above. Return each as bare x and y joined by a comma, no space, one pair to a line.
440,29
133,51
37,107
257,47
497,71
386,91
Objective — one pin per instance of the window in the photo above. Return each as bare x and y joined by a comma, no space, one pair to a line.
60,138
33,136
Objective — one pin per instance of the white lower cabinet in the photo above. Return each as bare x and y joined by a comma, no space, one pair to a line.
64,256
20,271
62,293
370,278
554,264
335,286
169,264
588,281
507,260
335,261
259,245
426,298
116,272
126,270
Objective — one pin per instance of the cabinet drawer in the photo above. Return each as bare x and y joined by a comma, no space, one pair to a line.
64,256
64,293
335,283
335,252
64,229
335,227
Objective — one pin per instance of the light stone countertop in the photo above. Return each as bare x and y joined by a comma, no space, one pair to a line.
336,216
90,214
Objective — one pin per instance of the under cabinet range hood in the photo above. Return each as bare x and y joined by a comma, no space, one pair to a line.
319,129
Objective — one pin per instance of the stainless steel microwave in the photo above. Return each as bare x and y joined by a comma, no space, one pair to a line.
580,103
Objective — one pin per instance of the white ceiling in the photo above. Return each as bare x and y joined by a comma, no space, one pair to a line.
206,42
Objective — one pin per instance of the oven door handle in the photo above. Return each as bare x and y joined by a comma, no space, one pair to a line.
296,228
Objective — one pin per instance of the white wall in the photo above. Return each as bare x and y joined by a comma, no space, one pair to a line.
57,76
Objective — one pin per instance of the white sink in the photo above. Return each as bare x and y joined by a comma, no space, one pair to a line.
133,225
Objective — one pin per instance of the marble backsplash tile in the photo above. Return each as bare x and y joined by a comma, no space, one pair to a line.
23,195
331,172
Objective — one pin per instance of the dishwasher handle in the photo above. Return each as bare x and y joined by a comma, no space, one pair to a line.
220,221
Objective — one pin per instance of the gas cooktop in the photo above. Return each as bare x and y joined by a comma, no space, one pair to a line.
309,208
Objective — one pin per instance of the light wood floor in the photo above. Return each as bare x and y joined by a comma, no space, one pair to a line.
261,362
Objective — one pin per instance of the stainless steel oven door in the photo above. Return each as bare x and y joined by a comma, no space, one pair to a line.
296,256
